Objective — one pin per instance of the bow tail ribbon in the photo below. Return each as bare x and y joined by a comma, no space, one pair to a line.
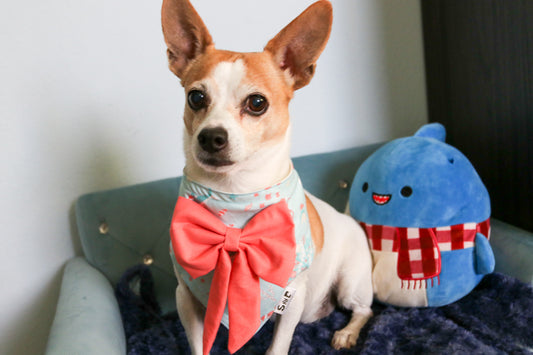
241,286
216,303
244,303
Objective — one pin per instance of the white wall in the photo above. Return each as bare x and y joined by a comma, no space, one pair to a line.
87,103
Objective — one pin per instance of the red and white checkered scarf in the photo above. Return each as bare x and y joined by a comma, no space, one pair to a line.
419,248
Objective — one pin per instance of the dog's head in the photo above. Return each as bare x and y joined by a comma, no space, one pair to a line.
237,103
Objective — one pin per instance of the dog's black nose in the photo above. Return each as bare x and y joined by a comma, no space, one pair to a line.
213,140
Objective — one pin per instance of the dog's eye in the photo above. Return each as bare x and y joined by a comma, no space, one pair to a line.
256,104
197,100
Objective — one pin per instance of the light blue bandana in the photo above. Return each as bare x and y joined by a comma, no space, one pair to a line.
235,210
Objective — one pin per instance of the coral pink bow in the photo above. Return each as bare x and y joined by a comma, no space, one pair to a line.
265,248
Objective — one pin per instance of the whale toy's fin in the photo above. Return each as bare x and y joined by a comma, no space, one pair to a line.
432,130
484,255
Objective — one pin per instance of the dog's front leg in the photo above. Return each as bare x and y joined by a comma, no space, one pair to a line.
191,313
287,322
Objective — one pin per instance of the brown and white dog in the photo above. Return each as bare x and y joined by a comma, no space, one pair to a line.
237,140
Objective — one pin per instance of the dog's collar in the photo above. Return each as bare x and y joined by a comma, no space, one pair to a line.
235,210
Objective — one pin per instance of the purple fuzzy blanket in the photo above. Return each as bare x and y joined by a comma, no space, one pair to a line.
495,318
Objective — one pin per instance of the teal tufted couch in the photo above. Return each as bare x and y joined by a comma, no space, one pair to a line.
127,226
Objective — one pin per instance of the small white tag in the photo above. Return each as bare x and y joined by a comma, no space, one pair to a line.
285,301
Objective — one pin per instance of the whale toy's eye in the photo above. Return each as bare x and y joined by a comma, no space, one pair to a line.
365,187
406,191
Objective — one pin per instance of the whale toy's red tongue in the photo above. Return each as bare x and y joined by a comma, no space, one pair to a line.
380,199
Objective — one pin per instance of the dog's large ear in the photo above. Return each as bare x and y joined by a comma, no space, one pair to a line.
297,47
185,34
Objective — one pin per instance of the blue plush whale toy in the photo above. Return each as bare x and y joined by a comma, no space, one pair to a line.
426,213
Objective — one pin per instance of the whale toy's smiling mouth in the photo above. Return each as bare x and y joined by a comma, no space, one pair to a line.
380,199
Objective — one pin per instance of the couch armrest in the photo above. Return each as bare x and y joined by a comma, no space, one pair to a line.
513,250
87,319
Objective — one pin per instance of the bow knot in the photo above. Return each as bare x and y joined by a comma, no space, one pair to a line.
232,239
264,249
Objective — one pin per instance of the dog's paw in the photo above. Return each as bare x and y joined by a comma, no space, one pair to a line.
344,339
